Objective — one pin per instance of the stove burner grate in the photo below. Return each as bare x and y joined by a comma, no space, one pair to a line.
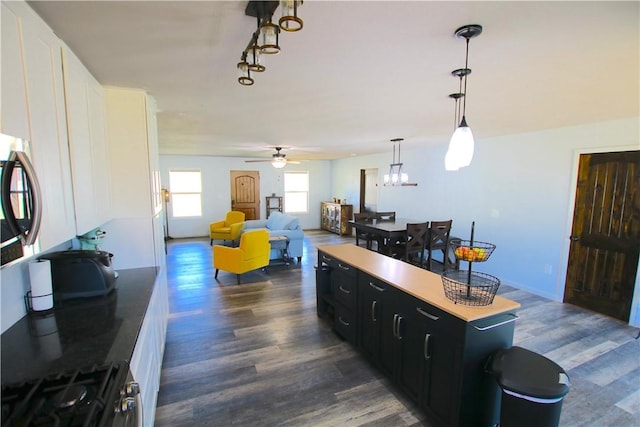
84,397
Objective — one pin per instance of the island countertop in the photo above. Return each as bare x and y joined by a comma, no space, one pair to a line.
79,333
420,283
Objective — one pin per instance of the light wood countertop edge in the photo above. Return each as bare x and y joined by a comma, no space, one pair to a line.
420,283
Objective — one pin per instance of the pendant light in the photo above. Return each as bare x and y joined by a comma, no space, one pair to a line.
244,73
269,33
253,57
290,20
461,145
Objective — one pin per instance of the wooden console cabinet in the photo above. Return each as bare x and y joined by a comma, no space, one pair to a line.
397,316
335,217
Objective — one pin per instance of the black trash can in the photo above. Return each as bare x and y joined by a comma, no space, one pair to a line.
532,388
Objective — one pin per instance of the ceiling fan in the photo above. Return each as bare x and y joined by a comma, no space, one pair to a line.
278,160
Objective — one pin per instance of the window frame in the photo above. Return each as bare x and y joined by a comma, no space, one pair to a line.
174,193
305,192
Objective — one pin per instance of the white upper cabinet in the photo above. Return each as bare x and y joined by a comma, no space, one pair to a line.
135,236
127,118
33,96
86,123
47,118
14,118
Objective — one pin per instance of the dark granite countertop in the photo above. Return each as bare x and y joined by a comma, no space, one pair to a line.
80,332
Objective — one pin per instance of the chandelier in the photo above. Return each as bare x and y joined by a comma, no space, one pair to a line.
266,38
397,176
461,145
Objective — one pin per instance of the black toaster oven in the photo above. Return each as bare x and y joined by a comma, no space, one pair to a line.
81,274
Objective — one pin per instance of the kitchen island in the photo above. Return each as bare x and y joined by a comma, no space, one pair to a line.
398,317
128,324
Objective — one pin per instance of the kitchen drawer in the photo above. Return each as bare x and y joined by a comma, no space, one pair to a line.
337,265
343,289
344,323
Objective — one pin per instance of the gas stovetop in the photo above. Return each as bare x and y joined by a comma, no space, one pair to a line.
84,397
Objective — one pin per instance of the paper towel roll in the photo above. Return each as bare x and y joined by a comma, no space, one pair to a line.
41,287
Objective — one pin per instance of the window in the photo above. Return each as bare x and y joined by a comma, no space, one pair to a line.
296,192
186,193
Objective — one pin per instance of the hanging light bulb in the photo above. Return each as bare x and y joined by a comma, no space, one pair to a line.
461,145
290,20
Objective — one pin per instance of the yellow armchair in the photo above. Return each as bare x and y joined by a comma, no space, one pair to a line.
228,229
253,253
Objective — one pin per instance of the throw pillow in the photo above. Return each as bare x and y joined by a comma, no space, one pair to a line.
278,221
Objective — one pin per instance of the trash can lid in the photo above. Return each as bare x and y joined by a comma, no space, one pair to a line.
524,372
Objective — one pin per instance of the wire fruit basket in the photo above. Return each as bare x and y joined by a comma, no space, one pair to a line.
470,287
468,250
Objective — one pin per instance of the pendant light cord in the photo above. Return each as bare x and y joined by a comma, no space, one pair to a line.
466,66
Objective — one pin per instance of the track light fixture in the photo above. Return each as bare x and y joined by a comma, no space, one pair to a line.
266,39
461,146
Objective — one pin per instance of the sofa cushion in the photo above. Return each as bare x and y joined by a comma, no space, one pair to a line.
293,225
279,221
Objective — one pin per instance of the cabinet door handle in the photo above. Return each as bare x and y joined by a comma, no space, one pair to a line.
427,356
373,311
429,315
377,288
486,328
346,291
398,326
326,258
342,321
395,322
343,267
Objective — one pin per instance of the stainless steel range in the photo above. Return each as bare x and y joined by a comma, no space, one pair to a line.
102,396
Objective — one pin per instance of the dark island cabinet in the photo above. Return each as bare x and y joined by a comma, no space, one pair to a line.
406,338
336,289
436,355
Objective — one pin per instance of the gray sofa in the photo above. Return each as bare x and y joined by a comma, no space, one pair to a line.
280,224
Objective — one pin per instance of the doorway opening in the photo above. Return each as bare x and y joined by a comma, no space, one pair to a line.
369,190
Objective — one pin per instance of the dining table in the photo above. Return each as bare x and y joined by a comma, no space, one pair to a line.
387,232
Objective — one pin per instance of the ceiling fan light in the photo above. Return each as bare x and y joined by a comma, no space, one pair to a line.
290,20
279,162
244,74
269,38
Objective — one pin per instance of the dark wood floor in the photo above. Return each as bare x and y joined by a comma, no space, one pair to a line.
256,353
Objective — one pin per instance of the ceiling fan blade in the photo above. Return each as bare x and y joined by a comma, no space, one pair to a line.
258,161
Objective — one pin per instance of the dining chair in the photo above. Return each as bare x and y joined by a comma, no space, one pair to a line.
385,216
438,240
366,237
412,248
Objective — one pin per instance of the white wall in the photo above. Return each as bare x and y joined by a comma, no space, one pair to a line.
519,190
216,190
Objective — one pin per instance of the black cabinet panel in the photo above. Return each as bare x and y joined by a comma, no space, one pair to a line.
436,358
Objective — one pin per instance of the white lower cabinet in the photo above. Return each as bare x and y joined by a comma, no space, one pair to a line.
146,362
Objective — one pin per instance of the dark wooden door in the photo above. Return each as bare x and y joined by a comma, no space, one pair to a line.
605,237
245,193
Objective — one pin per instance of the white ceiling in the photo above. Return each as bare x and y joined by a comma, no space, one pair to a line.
359,73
